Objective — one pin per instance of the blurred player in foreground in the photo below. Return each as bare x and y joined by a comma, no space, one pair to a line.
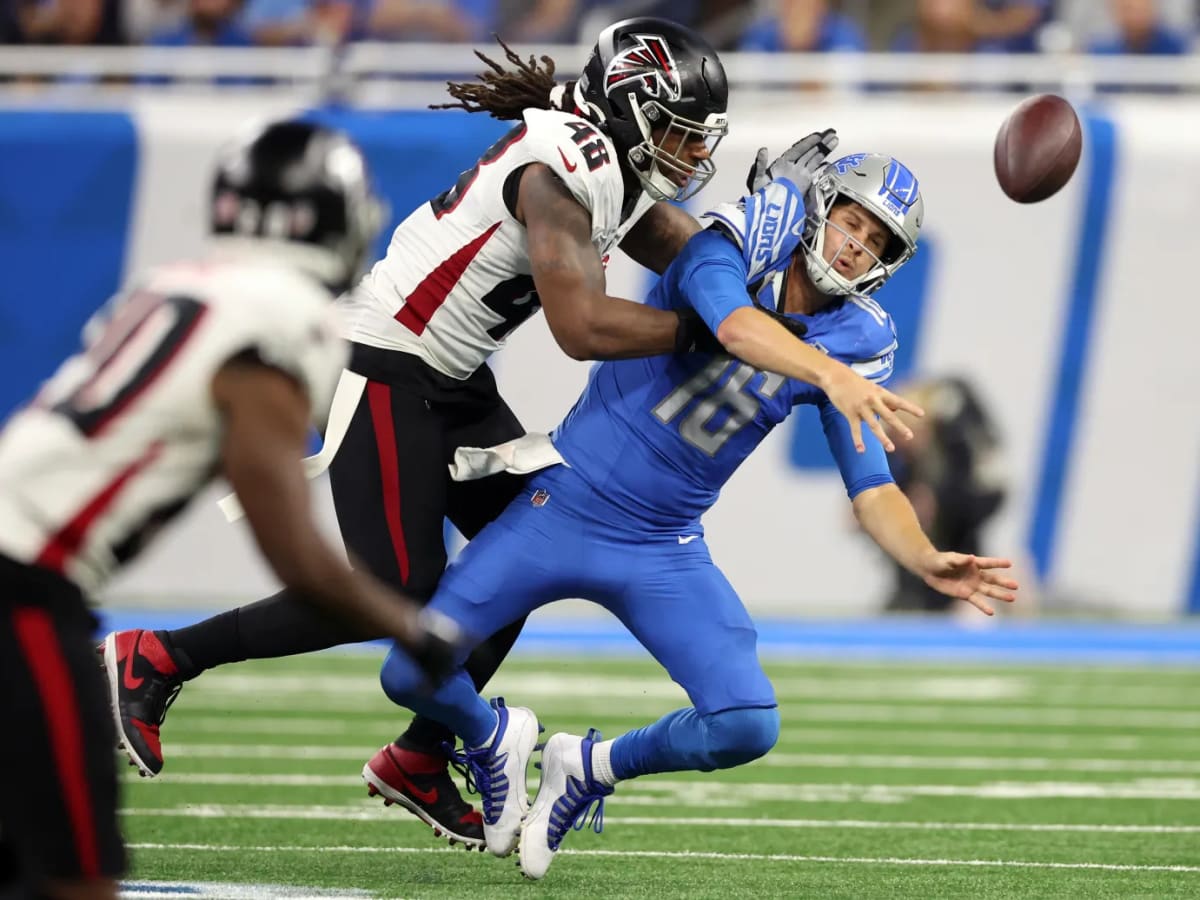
645,452
213,365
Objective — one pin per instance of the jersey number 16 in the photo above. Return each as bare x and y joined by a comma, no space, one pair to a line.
733,397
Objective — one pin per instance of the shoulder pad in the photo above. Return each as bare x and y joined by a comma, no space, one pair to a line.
577,152
767,226
867,340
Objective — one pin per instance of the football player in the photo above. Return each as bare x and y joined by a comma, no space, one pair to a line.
205,366
640,458
589,165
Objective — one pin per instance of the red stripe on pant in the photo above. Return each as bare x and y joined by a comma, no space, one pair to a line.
43,654
379,399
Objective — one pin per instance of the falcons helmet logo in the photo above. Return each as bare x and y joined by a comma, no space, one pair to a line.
649,62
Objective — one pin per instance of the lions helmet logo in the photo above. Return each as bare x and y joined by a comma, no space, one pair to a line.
649,62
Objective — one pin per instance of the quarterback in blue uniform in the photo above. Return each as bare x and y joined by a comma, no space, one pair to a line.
614,513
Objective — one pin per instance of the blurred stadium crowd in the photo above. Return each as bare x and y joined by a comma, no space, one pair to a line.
1155,27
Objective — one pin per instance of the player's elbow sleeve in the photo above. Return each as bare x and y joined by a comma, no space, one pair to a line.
734,329
859,485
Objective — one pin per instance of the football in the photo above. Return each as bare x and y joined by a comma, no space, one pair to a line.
1037,148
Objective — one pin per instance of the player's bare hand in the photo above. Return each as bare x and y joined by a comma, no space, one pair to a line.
863,402
975,579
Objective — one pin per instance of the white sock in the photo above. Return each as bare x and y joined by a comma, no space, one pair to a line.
602,763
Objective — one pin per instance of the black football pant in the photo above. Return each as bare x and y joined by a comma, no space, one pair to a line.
58,776
392,492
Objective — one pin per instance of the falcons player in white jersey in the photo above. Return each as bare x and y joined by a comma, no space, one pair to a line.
590,165
215,365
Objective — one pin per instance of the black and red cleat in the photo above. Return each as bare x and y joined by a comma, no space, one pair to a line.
143,681
421,783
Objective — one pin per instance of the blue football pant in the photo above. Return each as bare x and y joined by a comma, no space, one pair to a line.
665,590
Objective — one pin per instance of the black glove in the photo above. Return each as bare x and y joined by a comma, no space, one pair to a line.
438,650
693,336
798,164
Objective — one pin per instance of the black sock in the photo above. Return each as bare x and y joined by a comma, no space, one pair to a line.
277,626
425,735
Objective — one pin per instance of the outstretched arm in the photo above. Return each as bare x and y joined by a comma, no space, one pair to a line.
756,338
567,271
887,516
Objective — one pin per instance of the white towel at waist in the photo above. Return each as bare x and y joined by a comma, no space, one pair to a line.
521,456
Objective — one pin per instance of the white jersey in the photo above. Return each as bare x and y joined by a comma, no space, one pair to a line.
456,279
126,432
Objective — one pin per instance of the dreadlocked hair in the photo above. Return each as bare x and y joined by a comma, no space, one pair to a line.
505,94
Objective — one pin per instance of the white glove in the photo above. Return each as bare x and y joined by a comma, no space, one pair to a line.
798,164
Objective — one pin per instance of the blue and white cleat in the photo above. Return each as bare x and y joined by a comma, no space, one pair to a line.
497,773
565,796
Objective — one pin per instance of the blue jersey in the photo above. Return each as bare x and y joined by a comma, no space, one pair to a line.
659,437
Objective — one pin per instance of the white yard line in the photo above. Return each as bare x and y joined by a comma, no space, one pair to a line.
800,737
683,854
793,738
773,760
530,686
973,763
360,814
708,793
215,890
645,707
239,723
876,825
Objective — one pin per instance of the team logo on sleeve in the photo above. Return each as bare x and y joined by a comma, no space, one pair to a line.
649,62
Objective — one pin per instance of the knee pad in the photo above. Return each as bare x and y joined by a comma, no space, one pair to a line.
738,736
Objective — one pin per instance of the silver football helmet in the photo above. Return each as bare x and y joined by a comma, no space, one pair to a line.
889,191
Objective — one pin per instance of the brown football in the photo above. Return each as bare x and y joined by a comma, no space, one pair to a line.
1037,148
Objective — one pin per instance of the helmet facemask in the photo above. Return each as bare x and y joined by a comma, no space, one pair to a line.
657,88
659,166
900,218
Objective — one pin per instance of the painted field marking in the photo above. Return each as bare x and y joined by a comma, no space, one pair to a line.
207,726
644,707
217,890
772,760
684,854
956,687
708,793
358,814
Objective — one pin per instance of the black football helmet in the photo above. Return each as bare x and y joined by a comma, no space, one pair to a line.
302,191
648,75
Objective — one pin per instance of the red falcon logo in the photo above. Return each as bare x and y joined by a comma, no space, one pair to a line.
649,62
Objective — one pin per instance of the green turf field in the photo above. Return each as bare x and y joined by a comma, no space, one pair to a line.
890,780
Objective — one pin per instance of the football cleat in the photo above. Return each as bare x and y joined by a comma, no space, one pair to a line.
421,783
143,682
566,795
497,772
